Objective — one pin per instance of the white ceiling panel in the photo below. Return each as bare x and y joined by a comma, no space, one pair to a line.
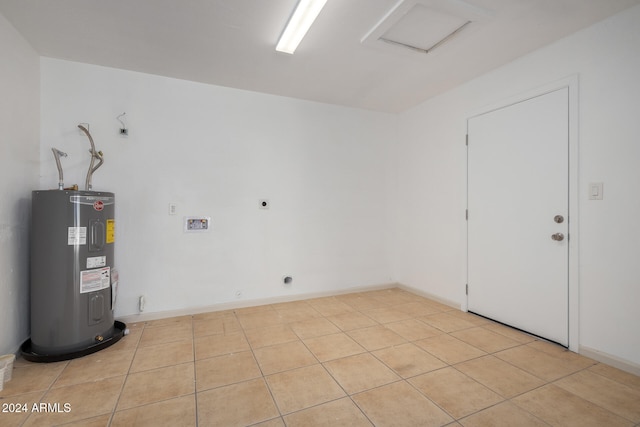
232,42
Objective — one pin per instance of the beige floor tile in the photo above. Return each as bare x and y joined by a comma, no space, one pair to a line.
559,407
393,296
312,352
485,339
298,314
238,404
292,305
455,392
313,328
260,319
360,372
85,400
18,407
361,302
386,315
351,320
266,308
539,363
217,345
399,404
417,309
302,388
408,360
28,377
276,422
470,317
562,353
282,357
447,322
508,332
180,411
618,398
413,330
618,375
158,384
500,376
220,322
209,315
334,346
226,369
263,337
339,413
95,367
177,331
329,306
449,349
376,337
169,321
127,342
100,421
159,355
505,414
204,327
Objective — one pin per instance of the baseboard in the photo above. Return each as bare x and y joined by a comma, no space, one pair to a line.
145,317
433,297
616,362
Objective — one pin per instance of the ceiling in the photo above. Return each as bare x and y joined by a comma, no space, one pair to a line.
341,60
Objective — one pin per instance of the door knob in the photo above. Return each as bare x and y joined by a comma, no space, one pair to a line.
557,237
559,219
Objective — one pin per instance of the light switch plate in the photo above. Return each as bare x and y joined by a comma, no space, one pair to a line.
595,190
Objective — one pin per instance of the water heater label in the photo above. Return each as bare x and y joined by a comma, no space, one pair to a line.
96,261
111,230
95,280
77,236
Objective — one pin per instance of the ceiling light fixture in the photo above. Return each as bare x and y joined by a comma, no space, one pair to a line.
306,12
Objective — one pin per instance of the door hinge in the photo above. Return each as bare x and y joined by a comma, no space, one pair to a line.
466,140
466,214
466,289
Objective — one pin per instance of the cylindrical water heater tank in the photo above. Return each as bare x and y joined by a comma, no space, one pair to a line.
72,246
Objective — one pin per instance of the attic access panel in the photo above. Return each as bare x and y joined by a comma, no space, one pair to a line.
423,25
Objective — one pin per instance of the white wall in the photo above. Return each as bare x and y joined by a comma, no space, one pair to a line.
19,145
216,151
430,250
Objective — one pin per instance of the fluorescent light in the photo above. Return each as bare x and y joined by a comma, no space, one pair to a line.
306,12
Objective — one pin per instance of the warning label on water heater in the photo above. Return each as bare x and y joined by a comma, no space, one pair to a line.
111,230
77,236
95,280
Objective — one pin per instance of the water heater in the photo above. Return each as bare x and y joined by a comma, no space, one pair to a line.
72,248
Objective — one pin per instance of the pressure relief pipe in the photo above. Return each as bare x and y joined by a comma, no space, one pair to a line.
94,155
56,154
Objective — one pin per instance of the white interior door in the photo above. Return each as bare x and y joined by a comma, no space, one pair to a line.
518,182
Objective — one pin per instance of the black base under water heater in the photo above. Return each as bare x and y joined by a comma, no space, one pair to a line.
72,246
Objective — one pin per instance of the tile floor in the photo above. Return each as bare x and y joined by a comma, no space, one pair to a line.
381,358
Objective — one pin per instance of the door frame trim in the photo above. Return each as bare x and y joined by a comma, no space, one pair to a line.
572,84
